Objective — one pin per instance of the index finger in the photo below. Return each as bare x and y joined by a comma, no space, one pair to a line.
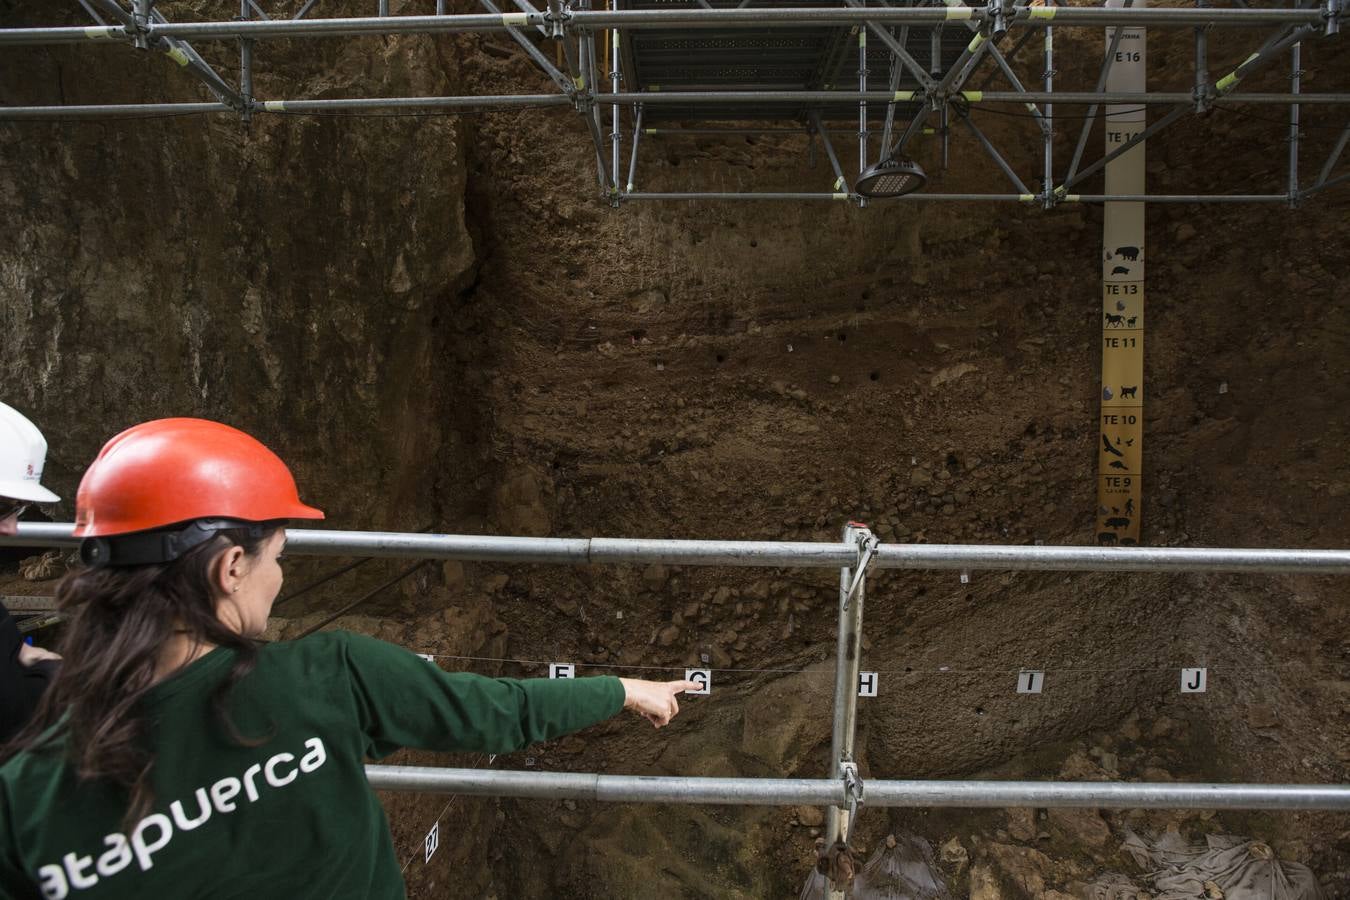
688,685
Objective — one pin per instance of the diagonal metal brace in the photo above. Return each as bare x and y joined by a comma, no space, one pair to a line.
867,548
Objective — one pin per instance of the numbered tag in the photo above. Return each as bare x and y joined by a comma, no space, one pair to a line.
1193,681
562,670
433,840
1029,682
703,677
867,684
429,657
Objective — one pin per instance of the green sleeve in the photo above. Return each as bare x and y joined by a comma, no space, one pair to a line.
404,701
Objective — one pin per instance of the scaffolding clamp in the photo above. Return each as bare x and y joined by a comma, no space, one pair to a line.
1331,11
867,548
853,790
556,18
1203,97
997,15
138,29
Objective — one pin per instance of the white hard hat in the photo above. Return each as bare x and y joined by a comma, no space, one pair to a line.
23,450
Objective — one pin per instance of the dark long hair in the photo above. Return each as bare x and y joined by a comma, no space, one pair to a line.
118,622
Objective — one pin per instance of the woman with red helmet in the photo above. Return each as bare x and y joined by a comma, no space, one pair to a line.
173,757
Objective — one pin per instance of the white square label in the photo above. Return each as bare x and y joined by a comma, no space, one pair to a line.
1029,682
562,670
867,684
1193,680
429,657
433,840
703,677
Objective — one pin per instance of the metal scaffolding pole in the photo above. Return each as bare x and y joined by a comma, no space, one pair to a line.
562,81
897,48
689,18
138,110
1295,82
614,136
1201,66
995,155
840,182
880,792
1333,157
587,39
1008,73
180,52
951,81
847,661
894,88
1048,172
1318,188
862,107
582,93
786,554
1268,52
632,162
732,195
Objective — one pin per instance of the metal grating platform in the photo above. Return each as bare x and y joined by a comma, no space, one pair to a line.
810,58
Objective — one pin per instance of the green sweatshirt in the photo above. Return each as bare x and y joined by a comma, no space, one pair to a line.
292,817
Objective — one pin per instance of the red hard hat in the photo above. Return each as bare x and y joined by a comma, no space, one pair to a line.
169,471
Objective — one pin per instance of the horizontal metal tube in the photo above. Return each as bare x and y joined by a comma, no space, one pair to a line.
666,18
568,551
370,103
730,195
761,195
786,554
112,111
1180,198
699,98
693,98
284,106
828,792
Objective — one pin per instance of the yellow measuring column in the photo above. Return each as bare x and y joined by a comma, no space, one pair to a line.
1120,444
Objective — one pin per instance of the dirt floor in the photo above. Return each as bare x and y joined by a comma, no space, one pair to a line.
470,342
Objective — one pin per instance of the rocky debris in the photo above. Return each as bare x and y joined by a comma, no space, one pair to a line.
1022,824
42,568
984,883
951,373
1262,715
654,577
953,854
1084,827
810,816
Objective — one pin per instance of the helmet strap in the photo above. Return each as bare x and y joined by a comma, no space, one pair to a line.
160,546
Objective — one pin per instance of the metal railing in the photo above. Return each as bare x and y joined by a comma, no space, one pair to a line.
855,555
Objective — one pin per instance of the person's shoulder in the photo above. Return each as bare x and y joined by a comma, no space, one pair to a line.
326,645
324,648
